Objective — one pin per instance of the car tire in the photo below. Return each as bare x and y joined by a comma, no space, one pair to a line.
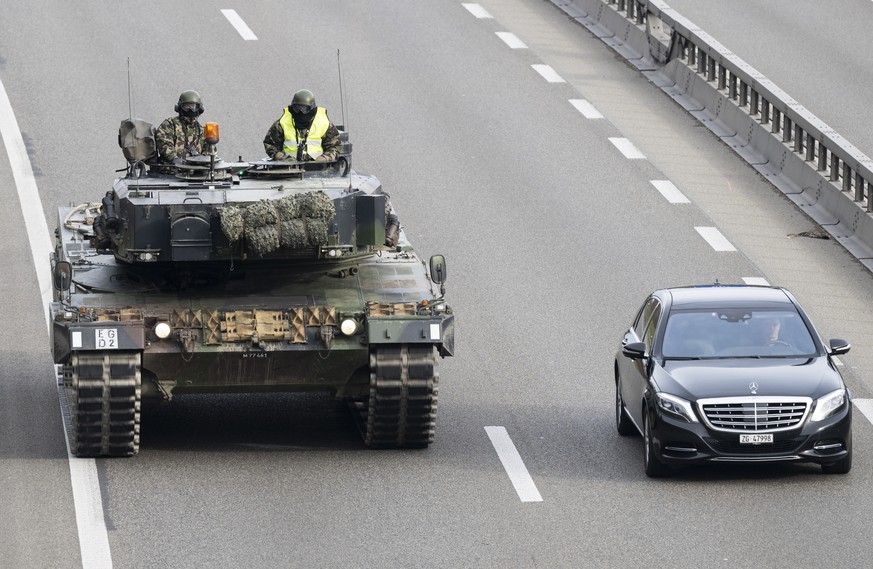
653,465
842,466
622,422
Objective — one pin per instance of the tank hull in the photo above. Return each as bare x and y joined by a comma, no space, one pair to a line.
196,313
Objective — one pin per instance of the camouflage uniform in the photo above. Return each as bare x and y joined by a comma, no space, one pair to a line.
176,135
275,141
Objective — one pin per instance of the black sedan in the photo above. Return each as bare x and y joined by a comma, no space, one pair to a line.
733,374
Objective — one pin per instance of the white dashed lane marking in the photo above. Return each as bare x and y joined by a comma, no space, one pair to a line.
241,27
715,239
756,281
587,109
548,73
514,466
669,191
627,148
477,10
511,40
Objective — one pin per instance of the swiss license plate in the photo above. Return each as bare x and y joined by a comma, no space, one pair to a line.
756,439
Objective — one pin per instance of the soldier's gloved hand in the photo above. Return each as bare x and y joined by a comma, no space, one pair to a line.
321,158
279,156
193,152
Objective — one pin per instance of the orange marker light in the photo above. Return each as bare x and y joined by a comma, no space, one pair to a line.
211,135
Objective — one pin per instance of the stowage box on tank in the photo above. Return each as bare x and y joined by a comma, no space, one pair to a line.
215,277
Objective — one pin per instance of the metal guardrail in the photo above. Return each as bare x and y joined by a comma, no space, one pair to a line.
811,163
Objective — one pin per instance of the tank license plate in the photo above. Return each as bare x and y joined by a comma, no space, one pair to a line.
756,439
106,339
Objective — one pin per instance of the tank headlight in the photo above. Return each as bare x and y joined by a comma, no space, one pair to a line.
163,330
348,326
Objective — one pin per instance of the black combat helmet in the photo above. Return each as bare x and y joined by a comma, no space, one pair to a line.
190,104
303,102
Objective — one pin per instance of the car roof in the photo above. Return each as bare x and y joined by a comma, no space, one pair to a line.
712,295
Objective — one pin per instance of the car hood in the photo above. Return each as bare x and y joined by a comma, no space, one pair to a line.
701,379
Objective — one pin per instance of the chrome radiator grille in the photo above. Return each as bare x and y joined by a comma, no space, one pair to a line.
754,414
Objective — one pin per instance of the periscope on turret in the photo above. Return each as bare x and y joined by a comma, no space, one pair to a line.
207,276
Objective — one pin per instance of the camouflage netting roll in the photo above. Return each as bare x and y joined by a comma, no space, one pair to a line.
261,214
232,223
315,205
294,222
262,240
300,233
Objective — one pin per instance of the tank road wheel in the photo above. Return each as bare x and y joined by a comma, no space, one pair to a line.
103,393
401,411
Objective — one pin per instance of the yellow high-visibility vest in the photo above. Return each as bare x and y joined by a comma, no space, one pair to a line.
317,130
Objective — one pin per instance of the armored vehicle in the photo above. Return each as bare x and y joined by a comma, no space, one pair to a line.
206,276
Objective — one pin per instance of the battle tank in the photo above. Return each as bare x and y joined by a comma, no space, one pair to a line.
206,276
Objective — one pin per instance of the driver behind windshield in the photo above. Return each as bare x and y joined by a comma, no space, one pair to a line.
699,333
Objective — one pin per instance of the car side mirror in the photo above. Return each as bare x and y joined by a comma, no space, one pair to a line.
634,350
438,269
62,275
839,346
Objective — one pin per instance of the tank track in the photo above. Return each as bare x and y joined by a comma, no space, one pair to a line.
401,409
103,392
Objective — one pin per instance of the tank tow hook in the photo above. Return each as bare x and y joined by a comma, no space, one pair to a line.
327,336
187,337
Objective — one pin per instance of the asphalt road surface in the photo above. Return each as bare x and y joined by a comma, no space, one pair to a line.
553,237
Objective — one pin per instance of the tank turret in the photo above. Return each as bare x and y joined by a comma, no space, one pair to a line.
203,209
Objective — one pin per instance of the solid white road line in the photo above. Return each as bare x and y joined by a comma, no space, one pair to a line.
715,239
548,73
31,206
511,40
586,108
515,468
238,23
756,281
93,539
627,148
477,10
865,406
837,361
670,191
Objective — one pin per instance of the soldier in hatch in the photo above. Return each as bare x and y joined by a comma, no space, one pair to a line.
181,136
303,132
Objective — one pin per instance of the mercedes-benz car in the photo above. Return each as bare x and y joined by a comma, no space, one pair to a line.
731,373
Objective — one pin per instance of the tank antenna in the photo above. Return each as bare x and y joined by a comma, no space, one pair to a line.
339,68
129,91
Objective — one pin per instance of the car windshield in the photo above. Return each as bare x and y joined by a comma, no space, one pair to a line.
734,332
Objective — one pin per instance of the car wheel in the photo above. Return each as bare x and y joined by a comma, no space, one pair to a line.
842,466
654,467
622,423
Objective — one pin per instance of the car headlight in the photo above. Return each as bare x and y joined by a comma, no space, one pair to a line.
828,405
676,406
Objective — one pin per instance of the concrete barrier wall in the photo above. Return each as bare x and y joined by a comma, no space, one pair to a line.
814,166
